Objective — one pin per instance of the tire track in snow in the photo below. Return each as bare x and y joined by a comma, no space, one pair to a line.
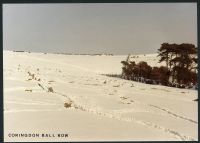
117,116
168,112
173,114
30,110
144,123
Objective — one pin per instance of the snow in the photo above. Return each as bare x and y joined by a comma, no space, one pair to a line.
102,108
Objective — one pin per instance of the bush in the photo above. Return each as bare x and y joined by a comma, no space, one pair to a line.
143,72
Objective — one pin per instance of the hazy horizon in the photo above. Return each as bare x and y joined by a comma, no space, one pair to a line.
111,28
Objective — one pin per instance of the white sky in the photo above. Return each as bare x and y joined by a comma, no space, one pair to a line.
98,28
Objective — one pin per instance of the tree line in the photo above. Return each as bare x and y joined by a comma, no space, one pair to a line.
180,70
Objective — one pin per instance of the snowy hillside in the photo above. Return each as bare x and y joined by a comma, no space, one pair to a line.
67,94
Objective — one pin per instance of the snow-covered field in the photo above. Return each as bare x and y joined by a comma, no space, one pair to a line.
102,107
